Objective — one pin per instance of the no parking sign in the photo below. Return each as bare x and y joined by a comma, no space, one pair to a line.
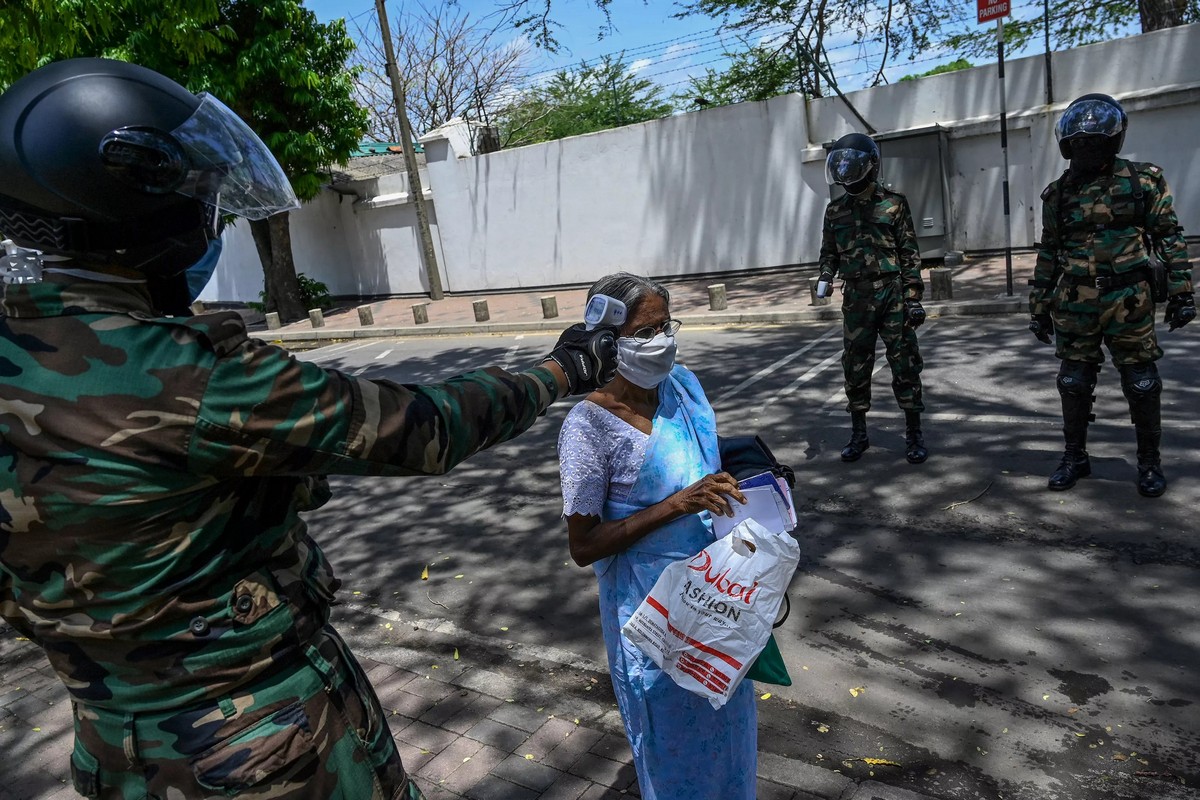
993,9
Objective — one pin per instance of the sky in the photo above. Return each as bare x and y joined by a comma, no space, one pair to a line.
661,47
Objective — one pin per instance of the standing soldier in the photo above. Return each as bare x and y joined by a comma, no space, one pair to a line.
1094,281
868,239
153,468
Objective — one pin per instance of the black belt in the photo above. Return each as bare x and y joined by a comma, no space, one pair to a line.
1106,283
878,277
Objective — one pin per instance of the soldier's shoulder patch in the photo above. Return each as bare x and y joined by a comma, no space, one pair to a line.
1146,168
1049,191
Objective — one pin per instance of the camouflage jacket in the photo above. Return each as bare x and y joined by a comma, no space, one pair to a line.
864,238
151,475
1097,229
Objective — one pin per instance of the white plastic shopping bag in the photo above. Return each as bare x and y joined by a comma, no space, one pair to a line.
708,617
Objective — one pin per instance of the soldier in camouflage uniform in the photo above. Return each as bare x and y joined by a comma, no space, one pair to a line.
869,241
1093,279
153,468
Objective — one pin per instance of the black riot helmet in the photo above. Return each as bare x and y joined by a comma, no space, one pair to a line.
853,162
108,162
1092,116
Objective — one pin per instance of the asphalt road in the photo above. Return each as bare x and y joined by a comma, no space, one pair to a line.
985,637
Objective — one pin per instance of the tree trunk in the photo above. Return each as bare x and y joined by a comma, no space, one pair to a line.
273,238
1158,14
260,230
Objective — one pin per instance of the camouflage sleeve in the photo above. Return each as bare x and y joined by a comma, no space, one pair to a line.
909,254
829,252
266,413
1042,283
1166,234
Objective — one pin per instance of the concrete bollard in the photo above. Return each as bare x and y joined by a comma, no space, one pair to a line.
273,322
549,307
940,285
316,317
420,313
812,292
481,310
717,299
365,316
198,308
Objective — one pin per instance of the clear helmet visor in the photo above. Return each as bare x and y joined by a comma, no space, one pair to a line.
847,166
1089,118
230,167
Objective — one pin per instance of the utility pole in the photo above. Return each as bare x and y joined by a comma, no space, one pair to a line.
1008,266
428,255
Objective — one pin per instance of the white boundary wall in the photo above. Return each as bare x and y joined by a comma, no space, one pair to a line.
731,188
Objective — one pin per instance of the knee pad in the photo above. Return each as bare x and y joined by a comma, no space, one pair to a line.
1077,378
1140,382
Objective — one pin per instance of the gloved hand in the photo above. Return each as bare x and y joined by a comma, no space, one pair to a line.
588,358
1181,309
1042,326
914,313
825,284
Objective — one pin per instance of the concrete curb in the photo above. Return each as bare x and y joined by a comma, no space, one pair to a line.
318,338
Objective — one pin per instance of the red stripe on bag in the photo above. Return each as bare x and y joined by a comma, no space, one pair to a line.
703,648
704,680
718,677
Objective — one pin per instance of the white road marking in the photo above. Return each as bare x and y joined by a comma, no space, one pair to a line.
512,351
340,349
384,354
796,384
772,368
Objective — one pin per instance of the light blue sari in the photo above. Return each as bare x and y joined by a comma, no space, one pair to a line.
683,749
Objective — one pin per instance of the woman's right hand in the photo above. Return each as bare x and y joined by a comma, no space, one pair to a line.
711,493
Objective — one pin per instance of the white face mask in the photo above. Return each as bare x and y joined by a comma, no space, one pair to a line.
646,364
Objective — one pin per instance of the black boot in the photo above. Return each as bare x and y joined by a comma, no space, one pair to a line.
1143,389
1076,382
914,441
858,437
1151,480
1074,465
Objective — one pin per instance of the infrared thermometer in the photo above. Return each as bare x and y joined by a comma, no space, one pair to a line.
604,310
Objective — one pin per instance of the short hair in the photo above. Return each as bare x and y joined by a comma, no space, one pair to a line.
630,289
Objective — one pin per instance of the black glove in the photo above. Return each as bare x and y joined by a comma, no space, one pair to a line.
825,281
589,358
914,313
1041,326
1181,309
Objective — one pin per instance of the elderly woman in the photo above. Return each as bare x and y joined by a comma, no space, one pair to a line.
640,477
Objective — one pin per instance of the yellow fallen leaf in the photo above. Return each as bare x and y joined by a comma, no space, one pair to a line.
37,730
456,654
577,720
425,573
880,762
766,696
857,690
1047,697
388,626
1081,735
433,666
1120,757
22,638
529,756
1072,710
358,593
459,575
503,627
822,728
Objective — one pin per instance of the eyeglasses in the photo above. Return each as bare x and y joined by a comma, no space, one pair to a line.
650,331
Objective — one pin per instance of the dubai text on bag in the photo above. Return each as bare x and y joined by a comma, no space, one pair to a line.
708,617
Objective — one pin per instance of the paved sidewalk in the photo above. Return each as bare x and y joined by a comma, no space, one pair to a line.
979,287
459,734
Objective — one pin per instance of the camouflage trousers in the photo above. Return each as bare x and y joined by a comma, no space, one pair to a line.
313,730
872,311
1121,319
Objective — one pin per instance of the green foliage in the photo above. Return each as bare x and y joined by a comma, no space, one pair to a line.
591,98
313,293
953,66
755,74
270,60
35,32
